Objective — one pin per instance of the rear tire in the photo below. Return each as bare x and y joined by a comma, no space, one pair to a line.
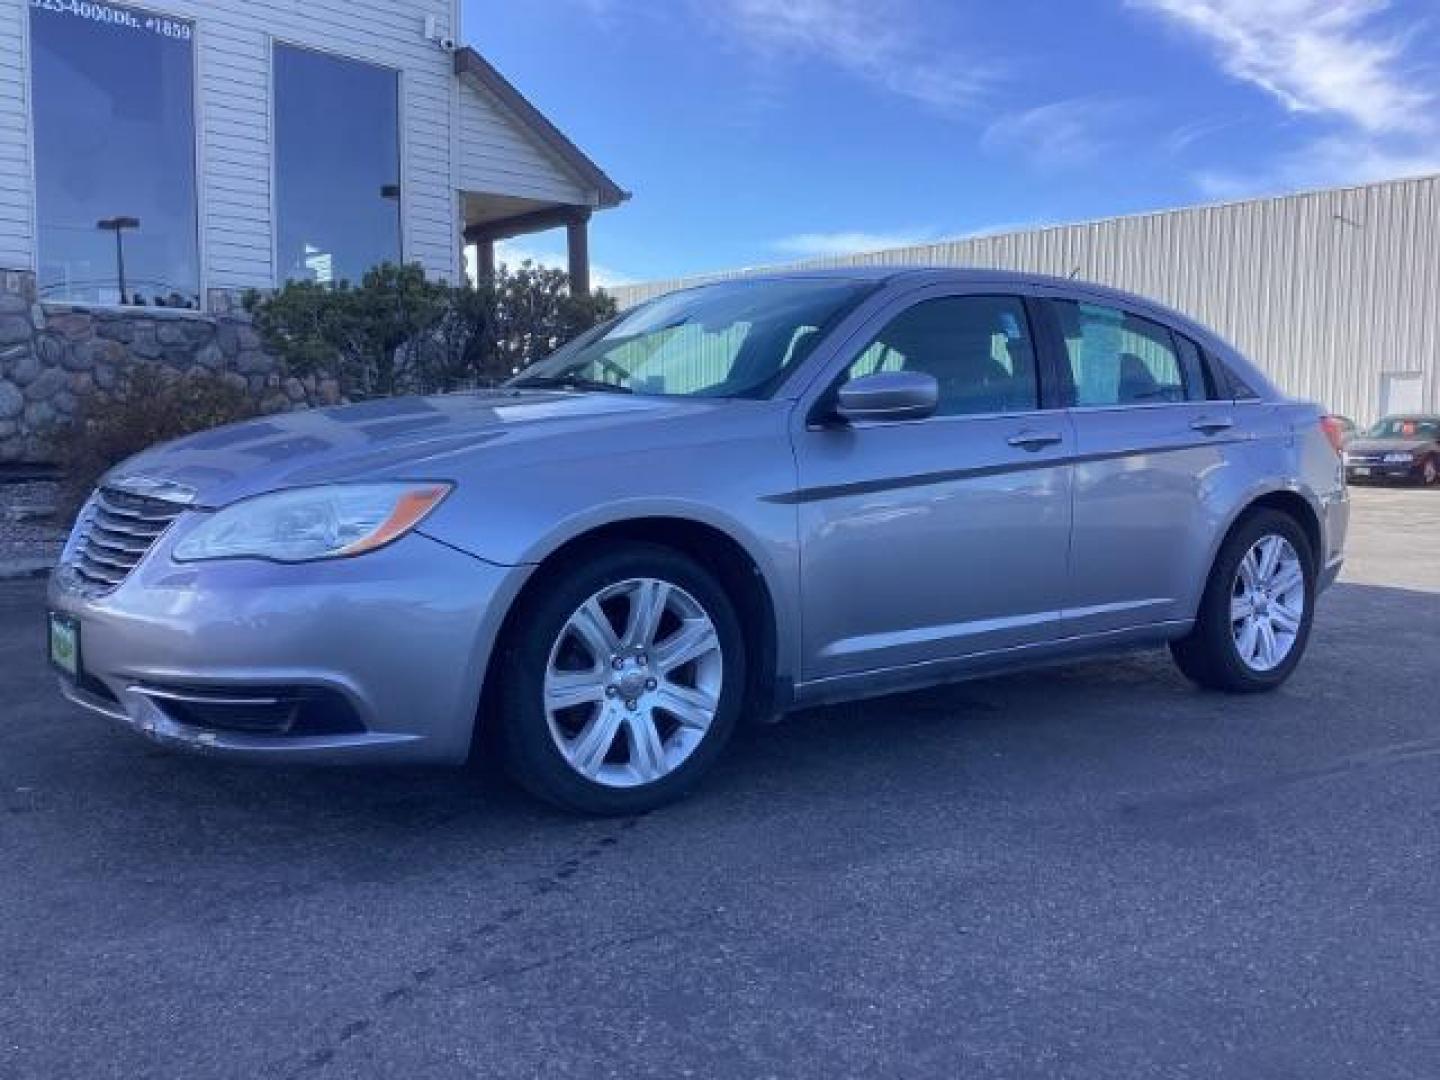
623,678
1430,472
1254,618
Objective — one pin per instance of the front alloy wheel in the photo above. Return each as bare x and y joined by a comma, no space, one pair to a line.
629,706
623,678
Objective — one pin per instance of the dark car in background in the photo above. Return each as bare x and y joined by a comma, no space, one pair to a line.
1397,448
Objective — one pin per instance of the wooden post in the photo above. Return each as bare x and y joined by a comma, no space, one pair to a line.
485,260
577,242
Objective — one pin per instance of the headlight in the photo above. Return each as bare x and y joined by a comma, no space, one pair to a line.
1398,459
312,523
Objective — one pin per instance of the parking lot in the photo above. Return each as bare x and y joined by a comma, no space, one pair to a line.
1093,871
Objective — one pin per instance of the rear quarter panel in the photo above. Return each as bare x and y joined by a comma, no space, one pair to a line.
1281,448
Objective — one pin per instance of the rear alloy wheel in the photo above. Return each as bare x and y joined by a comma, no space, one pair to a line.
1254,618
626,682
1267,603
1430,472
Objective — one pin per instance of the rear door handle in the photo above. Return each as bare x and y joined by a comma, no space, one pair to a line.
1211,425
1034,440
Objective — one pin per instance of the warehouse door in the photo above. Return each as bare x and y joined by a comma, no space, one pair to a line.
1402,392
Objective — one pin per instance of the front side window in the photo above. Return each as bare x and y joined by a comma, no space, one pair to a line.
112,92
978,348
337,166
1116,358
733,339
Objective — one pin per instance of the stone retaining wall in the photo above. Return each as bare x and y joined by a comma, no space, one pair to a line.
51,355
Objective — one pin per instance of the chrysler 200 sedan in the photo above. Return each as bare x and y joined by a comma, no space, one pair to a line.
728,502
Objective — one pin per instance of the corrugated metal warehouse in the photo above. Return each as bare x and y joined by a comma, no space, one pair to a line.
1335,293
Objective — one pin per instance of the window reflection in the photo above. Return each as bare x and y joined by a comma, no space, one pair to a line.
113,105
337,165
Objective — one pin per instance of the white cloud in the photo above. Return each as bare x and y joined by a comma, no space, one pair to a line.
514,253
849,242
1058,134
1315,56
1333,161
1341,61
889,43
814,245
1185,136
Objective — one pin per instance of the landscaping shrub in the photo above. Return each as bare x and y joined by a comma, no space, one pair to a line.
148,405
397,332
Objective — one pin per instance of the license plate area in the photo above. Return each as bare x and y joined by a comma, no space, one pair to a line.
64,644
1361,470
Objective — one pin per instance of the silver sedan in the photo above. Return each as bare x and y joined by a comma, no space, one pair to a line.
726,503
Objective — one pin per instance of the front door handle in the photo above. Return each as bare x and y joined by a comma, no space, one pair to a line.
1034,440
1210,425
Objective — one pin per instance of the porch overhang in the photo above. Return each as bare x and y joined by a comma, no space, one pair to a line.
569,186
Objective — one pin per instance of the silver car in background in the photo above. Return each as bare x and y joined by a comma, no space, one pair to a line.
729,502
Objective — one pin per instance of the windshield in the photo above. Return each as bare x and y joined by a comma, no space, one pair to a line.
1406,427
732,339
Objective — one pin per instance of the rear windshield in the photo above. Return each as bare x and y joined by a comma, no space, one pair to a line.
1406,427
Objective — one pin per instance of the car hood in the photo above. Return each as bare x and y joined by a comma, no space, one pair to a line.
1365,445
433,438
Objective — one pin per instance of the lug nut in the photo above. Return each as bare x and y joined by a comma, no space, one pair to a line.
650,684
610,691
630,705
618,663
642,659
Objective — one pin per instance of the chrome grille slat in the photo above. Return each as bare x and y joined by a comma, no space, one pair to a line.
133,512
109,524
109,543
119,530
92,555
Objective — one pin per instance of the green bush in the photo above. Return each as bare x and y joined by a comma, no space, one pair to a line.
397,332
149,405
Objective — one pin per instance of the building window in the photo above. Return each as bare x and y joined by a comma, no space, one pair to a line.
113,106
337,165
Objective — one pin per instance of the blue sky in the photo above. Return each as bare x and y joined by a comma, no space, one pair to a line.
758,131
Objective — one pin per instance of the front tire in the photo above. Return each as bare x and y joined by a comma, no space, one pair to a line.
1255,615
623,680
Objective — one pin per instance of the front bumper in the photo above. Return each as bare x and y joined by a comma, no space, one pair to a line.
398,639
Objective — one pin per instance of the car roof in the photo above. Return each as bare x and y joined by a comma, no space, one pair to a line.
966,275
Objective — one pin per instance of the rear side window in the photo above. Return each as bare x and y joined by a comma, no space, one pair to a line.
1116,358
978,348
1235,387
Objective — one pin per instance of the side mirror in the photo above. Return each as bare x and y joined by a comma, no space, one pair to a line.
889,395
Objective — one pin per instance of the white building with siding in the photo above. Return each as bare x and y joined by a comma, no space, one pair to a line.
1335,293
318,137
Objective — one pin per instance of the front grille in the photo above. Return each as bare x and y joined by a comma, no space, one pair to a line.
116,533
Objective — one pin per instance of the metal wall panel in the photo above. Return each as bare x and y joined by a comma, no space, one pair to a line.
1327,291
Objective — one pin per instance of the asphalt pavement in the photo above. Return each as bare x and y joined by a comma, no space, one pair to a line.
1093,871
